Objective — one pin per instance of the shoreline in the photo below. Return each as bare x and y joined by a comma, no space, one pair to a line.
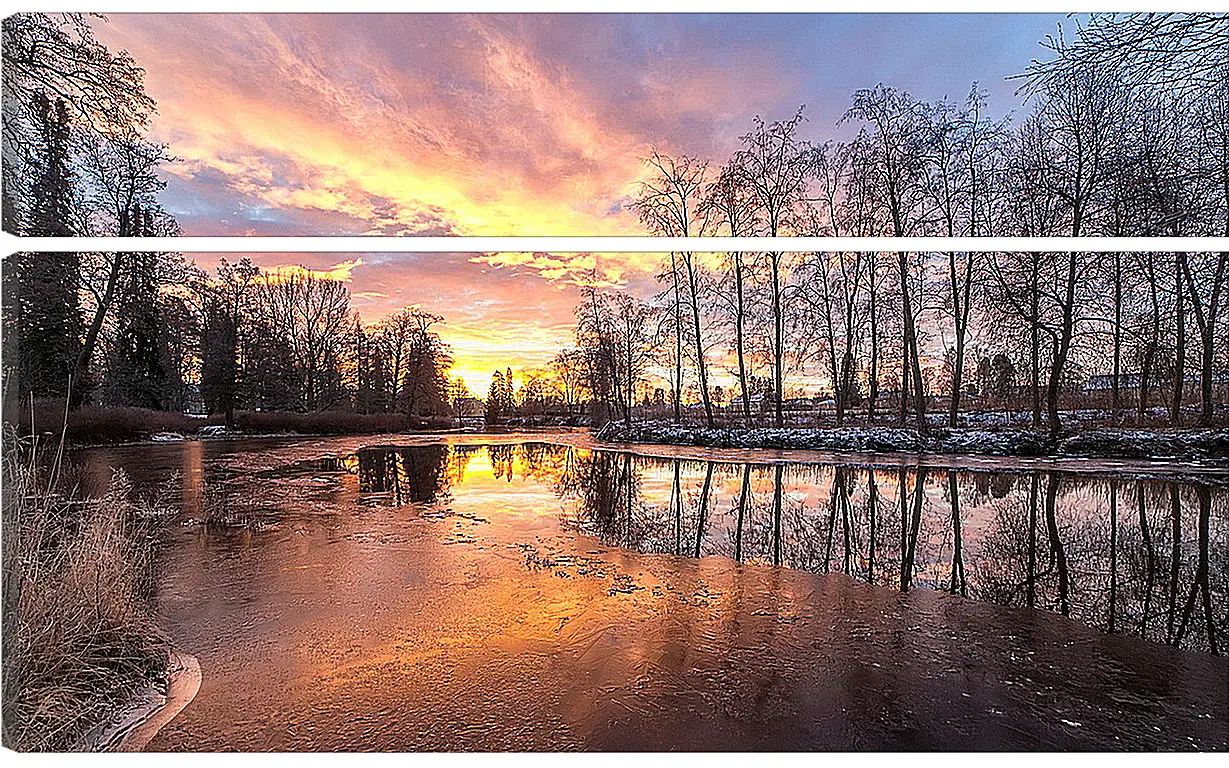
148,710
1191,444
1160,467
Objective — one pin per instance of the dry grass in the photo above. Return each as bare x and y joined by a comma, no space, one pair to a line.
79,632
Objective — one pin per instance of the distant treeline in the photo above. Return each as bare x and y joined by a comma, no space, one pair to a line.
165,335
892,338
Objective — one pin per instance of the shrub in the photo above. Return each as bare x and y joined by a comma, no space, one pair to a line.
92,424
107,424
335,422
320,422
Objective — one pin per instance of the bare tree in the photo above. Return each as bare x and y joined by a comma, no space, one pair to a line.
1184,52
568,367
671,205
897,144
312,315
729,203
774,165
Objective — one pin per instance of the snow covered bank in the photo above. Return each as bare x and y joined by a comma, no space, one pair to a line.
1103,443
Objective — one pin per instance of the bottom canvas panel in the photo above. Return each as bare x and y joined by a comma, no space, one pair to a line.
549,501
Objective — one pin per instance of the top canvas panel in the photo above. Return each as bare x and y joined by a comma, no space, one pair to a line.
628,124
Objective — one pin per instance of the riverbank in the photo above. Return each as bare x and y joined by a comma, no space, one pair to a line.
100,425
1098,443
149,709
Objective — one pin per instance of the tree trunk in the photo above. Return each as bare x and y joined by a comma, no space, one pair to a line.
743,498
1030,581
904,382
1056,545
1206,321
630,398
739,340
1035,338
957,382
778,341
957,579
1145,535
695,318
1063,348
846,386
1145,376
961,303
678,342
872,505
910,554
1113,555
703,507
873,384
1175,410
1117,386
911,346
96,322
1175,558
676,505
777,490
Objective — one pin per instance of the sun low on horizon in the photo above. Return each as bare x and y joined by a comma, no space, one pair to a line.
499,310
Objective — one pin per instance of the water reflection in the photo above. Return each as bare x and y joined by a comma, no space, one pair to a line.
1145,557
1043,540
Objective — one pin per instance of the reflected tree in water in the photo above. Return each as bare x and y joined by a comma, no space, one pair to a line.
1050,541
411,475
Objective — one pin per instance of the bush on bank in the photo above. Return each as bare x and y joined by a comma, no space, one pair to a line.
92,424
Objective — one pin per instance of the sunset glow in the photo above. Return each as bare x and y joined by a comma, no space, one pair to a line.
499,310
505,125
509,124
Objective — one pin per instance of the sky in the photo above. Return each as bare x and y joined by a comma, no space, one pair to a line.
510,124
507,124
497,314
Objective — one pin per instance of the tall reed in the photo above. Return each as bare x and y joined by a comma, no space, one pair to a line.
80,635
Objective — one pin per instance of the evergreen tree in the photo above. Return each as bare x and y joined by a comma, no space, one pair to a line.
495,398
41,301
138,373
372,378
219,366
41,322
268,378
51,195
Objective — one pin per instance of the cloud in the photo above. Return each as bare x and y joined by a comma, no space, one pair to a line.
507,124
343,272
602,270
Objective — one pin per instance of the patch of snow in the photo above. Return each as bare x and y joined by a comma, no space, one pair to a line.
1211,443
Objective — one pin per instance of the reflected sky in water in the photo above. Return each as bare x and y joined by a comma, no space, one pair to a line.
1145,557
451,595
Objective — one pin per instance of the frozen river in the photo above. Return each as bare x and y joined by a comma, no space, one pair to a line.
524,592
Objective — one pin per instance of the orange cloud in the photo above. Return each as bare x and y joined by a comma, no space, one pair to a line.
289,123
343,272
